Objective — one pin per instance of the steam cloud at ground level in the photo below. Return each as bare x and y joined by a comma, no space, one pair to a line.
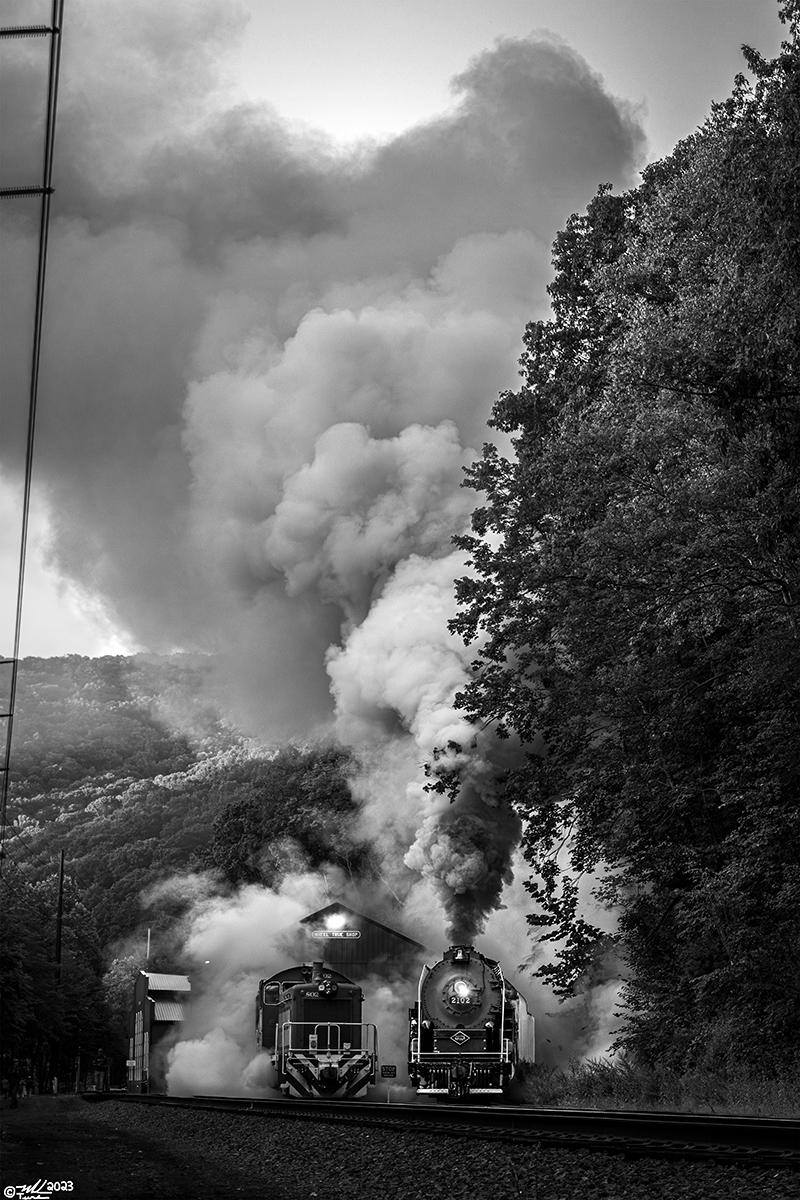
230,942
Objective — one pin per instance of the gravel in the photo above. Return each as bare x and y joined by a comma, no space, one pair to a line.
286,1159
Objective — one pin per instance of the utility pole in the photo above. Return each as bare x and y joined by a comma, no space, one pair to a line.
55,1063
59,918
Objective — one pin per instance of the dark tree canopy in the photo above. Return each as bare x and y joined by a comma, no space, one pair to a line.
299,817
49,1016
635,583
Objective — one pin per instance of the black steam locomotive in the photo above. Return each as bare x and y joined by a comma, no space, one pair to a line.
468,1029
309,1020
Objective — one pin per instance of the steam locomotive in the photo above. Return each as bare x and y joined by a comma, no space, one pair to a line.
469,1028
309,1020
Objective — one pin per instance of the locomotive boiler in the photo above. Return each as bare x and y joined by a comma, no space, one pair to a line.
469,1028
308,1018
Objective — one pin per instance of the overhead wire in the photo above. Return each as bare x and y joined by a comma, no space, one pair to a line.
32,881
29,898
46,192
49,864
12,829
37,904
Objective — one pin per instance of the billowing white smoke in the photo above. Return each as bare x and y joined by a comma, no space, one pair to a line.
253,422
231,944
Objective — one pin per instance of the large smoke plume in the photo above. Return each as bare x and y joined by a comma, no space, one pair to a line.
268,359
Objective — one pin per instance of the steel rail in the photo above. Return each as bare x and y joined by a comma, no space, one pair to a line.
755,1141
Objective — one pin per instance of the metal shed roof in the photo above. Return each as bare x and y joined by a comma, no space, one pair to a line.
168,1010
167,983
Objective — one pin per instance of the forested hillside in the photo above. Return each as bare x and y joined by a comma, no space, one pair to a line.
101,774
637,586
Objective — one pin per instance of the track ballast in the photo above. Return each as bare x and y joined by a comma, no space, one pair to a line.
730,1139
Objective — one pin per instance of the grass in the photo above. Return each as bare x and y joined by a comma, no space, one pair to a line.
621,1084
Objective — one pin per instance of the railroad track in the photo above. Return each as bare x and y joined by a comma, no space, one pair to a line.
743,1140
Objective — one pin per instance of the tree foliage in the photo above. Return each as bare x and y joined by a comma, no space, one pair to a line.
299,816
101,773
124,765
49,1016
634,590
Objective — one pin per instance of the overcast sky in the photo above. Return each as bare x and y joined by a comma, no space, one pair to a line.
374,67
144,88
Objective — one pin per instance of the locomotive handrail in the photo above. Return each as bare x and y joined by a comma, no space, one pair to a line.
328,1026
504,1040
287,1028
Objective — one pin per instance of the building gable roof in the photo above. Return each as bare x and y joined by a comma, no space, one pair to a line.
347,911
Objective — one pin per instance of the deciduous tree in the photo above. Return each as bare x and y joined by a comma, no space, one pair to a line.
635,582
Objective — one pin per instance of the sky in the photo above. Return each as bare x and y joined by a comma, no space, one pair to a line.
142,136
375,67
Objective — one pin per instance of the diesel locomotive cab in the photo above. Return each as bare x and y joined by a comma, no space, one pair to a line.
308,1019
468,1029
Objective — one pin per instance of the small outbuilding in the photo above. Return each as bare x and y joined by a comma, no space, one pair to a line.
159,1005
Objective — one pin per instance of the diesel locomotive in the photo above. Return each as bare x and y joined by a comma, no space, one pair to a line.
468,1029
308,1018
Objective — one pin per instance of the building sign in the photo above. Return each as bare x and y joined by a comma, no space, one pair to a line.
335,933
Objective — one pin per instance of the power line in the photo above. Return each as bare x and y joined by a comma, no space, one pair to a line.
31,881
80,885
48,864
20,867
28,897
12,829
46,191
40,905
33,884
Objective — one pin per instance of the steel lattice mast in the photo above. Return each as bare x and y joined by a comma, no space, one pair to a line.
45,191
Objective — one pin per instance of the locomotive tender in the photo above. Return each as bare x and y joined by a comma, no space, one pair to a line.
308,1018
469,1028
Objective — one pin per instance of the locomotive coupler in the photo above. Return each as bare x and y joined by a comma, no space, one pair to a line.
460,1074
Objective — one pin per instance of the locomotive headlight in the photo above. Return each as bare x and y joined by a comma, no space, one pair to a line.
460,995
